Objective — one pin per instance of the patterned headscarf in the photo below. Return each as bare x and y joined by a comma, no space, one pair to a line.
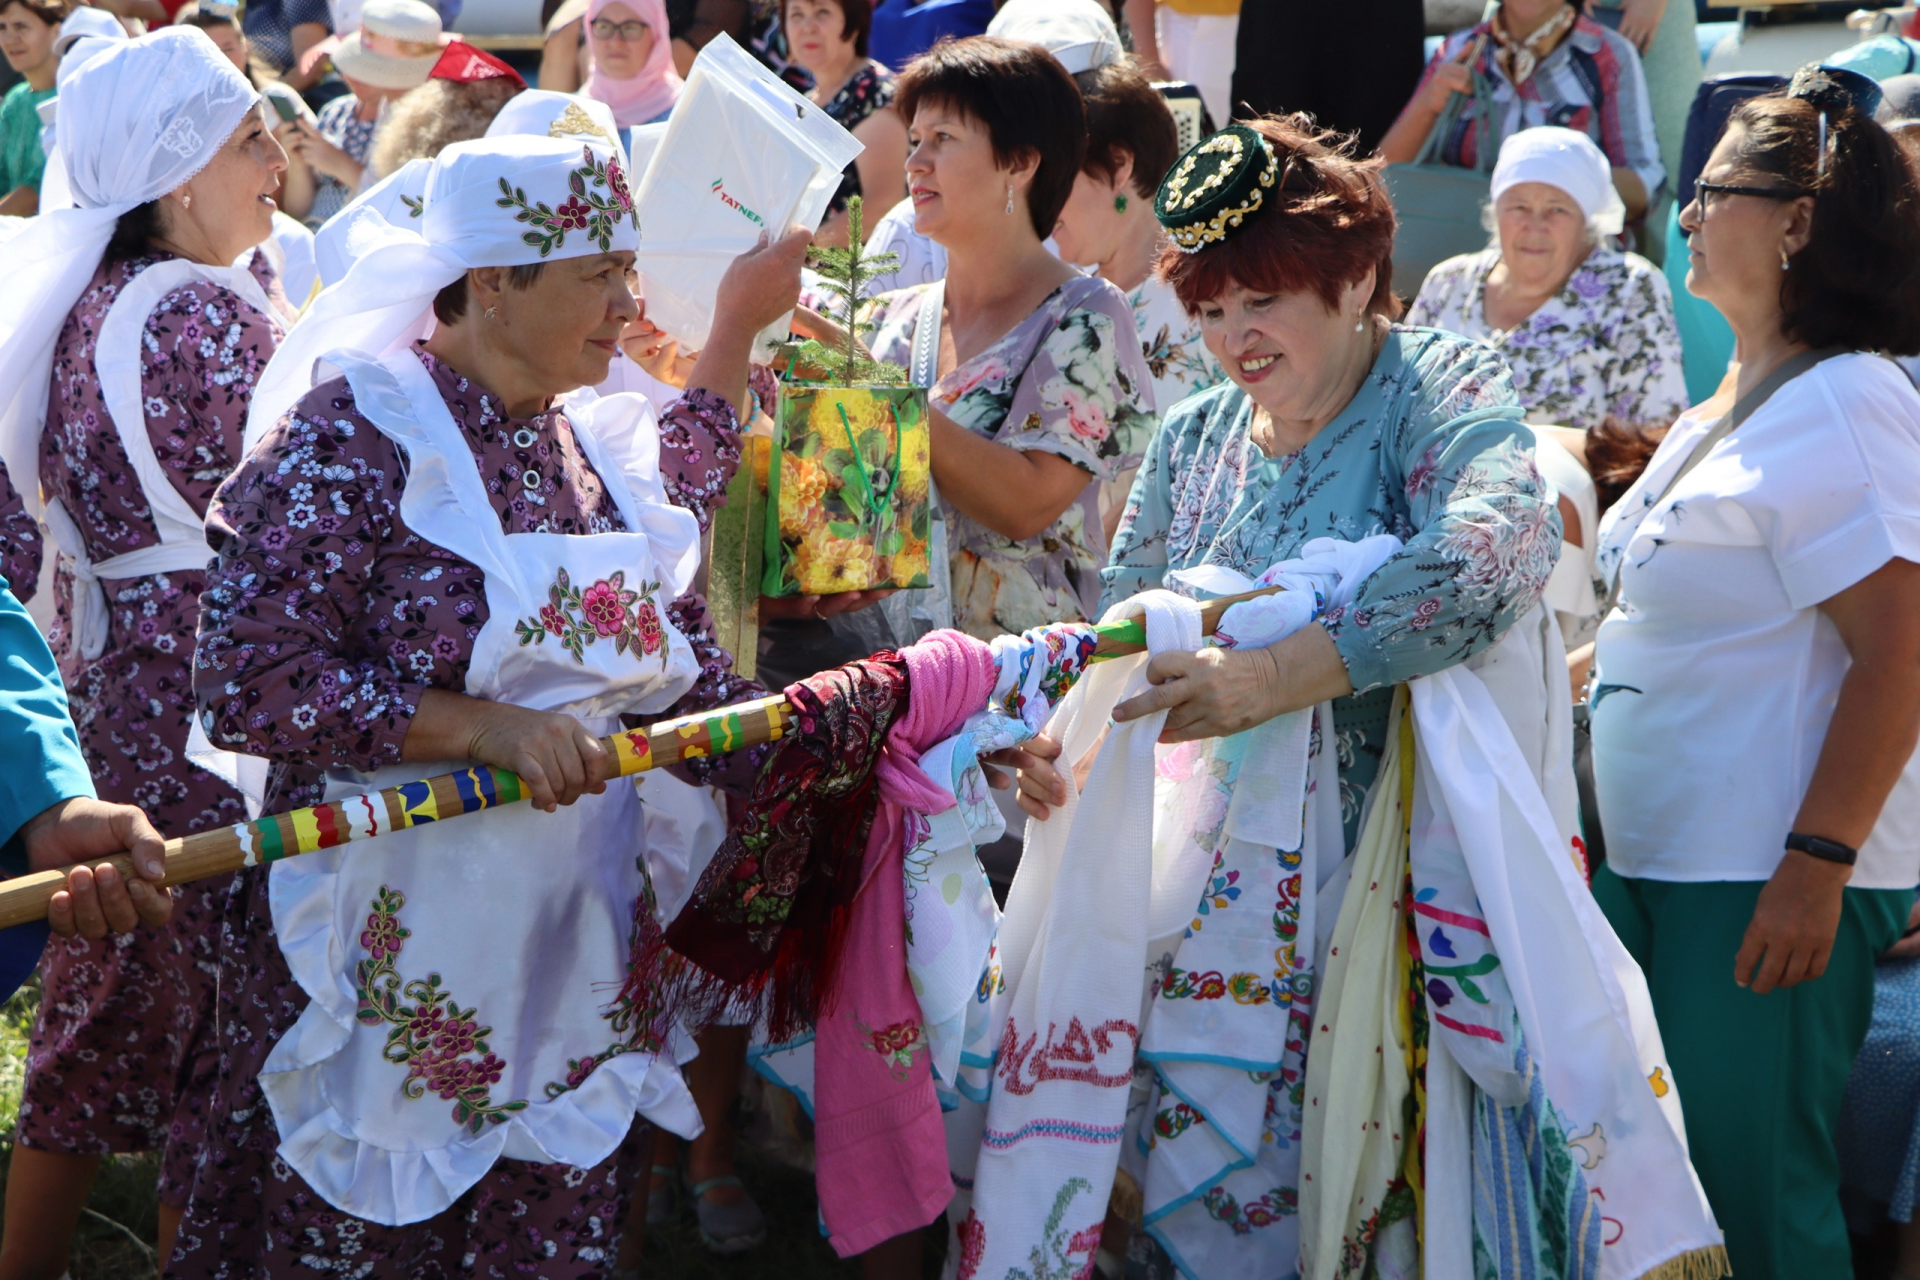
491,202
1518,58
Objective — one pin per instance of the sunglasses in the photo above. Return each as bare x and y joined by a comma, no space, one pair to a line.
628,31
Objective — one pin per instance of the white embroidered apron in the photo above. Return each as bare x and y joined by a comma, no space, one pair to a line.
463,977
181,530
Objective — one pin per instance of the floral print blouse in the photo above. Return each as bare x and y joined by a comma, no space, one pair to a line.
870,89
1606,346
1070,380
1431,449
326,617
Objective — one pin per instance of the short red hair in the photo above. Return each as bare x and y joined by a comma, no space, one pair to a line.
1323,225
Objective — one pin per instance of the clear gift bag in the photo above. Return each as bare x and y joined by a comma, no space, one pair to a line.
743,154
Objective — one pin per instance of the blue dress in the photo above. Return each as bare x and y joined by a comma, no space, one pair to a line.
1431,449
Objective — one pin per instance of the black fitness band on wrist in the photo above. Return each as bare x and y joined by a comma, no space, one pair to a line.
1822,848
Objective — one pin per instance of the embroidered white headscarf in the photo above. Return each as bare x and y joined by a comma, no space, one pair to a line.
400,197
491,202
138,120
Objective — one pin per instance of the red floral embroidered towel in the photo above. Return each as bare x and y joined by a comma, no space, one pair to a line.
880,1145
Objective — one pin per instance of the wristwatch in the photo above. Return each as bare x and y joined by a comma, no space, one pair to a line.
1822,848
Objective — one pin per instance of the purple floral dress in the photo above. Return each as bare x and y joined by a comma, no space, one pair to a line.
325,620
114,1063
19,542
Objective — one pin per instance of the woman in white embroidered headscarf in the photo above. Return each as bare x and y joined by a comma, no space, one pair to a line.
1587,328
426,557
129,344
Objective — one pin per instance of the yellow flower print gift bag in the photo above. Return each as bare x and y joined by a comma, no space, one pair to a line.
849,487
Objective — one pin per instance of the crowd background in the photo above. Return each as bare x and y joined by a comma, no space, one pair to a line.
1559,160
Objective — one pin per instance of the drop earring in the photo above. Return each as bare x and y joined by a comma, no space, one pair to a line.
186,202
1009,198
1359,326
1120,204
1784,264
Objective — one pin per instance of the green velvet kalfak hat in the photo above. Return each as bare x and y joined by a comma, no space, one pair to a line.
1213,187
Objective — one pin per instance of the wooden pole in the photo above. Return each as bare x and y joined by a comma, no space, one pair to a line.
452,795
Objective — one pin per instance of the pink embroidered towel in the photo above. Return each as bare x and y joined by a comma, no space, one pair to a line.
879,1144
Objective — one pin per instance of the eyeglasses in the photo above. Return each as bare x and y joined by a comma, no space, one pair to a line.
1701,190
628,31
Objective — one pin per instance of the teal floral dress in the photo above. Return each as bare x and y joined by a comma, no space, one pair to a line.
1069,379
1431,450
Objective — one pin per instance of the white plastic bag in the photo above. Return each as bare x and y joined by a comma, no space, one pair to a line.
743,154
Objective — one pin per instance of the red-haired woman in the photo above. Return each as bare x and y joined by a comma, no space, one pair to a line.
1335,423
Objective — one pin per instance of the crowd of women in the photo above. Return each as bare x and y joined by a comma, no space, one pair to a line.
291,545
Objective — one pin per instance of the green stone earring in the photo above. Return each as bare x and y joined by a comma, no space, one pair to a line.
1119,204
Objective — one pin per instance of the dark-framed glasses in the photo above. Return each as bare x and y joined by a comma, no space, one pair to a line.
628,31
1702,190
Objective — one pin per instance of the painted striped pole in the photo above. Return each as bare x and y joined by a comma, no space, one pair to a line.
451,795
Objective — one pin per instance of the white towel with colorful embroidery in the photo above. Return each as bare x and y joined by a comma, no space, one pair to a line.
1215,1143
1508,928
1035,1163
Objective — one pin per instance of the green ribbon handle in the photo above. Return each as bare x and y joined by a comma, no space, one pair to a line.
860,460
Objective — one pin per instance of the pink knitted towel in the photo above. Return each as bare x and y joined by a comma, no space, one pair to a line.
880,1147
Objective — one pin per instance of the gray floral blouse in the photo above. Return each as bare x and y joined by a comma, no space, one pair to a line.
1431,450
1069,379
1606,346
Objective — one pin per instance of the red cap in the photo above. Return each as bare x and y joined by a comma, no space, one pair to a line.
463,64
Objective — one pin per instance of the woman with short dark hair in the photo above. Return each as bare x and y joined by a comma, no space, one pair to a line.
829,39
1039,391
1756,694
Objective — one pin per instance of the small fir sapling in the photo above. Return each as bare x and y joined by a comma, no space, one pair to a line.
847,273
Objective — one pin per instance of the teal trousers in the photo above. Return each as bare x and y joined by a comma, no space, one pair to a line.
1761,1078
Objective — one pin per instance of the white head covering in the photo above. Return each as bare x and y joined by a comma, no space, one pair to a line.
1078,33
398,197
136,121
491,202
87,21
1569,160
542,113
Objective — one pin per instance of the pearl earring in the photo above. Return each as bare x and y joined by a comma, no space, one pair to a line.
1359,326
1784,264
1009,197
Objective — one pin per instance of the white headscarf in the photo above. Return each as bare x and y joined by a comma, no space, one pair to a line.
399,196
1569,160
136,121
491,202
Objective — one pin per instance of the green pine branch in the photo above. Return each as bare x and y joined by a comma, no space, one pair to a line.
847,273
